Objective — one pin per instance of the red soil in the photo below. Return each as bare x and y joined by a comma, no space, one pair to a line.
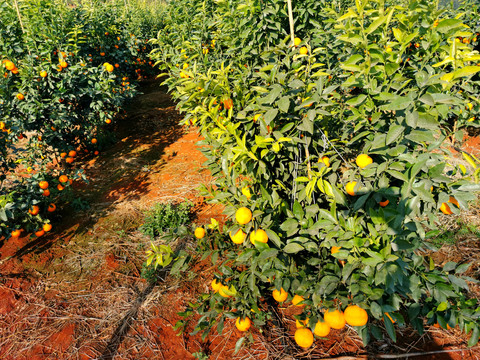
47,289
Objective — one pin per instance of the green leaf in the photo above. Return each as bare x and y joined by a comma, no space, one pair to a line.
284,103
449,24
394,133
293,248
239,343
466,71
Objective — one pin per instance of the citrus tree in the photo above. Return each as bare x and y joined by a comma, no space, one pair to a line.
332,158
66,72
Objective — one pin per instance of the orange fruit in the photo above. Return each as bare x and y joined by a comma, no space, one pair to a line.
246,192
199,233
355,315
350,188
108,121
16,233
239,236
47,227
109,67
52,207
391,319
96,152
243,215
335,319
243,325
63,178
228,104
304,337
72,153
446,209
39,233
256,117
335,249
43,73
94,141
384,203
20,96
63,64
321,329
259,235
9,65
69,160
63,154
34,210
221,291
280,296
43,184
303,50
216,285
325,160
46,192
453,201
60,187
297,299
297,41
363,160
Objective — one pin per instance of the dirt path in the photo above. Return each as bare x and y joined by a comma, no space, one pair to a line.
78,294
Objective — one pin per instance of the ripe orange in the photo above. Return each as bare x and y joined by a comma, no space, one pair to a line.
216,285
222,292
246,192
363,160
9,65
34,210
39,233
453,201
243,325
325,160
199,233
108,121
280,296
47,227
297,299
335,319
321,329
243,215
303,50
109,67
43,73
69,160
52,207
304,337
43,184
63,178
239,236
228,104
96,152
384,203
335,249
94,141
259,235
60,187
16,233
63,64
20,96
297,41
355,315
72,153
46,192
350,188
256,117
446,209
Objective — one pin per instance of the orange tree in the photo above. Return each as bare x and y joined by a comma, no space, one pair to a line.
65,74
331,157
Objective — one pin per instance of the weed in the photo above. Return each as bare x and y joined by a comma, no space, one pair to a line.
165,218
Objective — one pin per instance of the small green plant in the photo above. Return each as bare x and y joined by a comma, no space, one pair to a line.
166,217
200,355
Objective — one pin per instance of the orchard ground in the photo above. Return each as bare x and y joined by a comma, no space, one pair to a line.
77,293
